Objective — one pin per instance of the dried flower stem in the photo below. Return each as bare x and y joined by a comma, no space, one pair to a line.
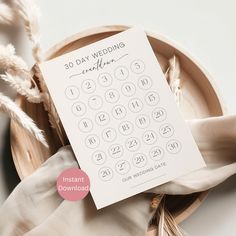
29,13
162,217
167,225
156,201
50,108
16,114
173,78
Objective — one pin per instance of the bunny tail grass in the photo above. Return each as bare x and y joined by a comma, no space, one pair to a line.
15,113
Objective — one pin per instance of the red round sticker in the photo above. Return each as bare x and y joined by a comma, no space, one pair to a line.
73,184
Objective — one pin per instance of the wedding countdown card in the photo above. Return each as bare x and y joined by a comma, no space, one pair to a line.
120,116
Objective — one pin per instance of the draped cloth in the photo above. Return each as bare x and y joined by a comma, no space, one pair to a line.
35,208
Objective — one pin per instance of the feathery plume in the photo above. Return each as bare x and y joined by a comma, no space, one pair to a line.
16,114
13,64
29,13
23,87
7,14
173,78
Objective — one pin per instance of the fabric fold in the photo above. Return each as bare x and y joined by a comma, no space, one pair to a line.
35,208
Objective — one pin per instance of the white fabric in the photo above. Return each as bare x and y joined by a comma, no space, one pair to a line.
35,209
216,140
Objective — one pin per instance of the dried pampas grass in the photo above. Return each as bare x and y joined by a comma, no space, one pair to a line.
23,87
16,71
162,218
53,116
16,114
29,13
173,78
17,74
13,64
166,225
7,14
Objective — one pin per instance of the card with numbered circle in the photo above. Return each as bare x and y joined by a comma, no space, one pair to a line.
120,116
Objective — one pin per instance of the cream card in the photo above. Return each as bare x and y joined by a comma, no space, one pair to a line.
120,116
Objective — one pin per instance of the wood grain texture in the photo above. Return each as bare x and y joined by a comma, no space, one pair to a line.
200,99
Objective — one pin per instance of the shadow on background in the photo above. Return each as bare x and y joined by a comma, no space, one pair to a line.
227,187
9,174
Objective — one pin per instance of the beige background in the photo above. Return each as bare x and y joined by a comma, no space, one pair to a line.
206,28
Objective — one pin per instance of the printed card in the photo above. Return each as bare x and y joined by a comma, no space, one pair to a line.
120,116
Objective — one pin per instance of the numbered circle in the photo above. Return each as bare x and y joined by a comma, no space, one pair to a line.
137,66
144,82
156,153
139,160
126,128
149,137
132,144
105,79
102,118
112,96
159,114
128,89
135,105
88,86
119,112
115,151
173,146
109,134
85,125
105,173
95,102
122,167
78,108
142,121
99,157
92,141
152,98
166,130
121,73
72,92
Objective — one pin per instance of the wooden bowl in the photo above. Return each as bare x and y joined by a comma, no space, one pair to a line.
200,99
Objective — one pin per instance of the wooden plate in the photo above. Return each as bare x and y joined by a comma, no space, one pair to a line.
200,99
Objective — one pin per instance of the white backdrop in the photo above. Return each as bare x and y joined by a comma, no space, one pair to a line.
205,28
